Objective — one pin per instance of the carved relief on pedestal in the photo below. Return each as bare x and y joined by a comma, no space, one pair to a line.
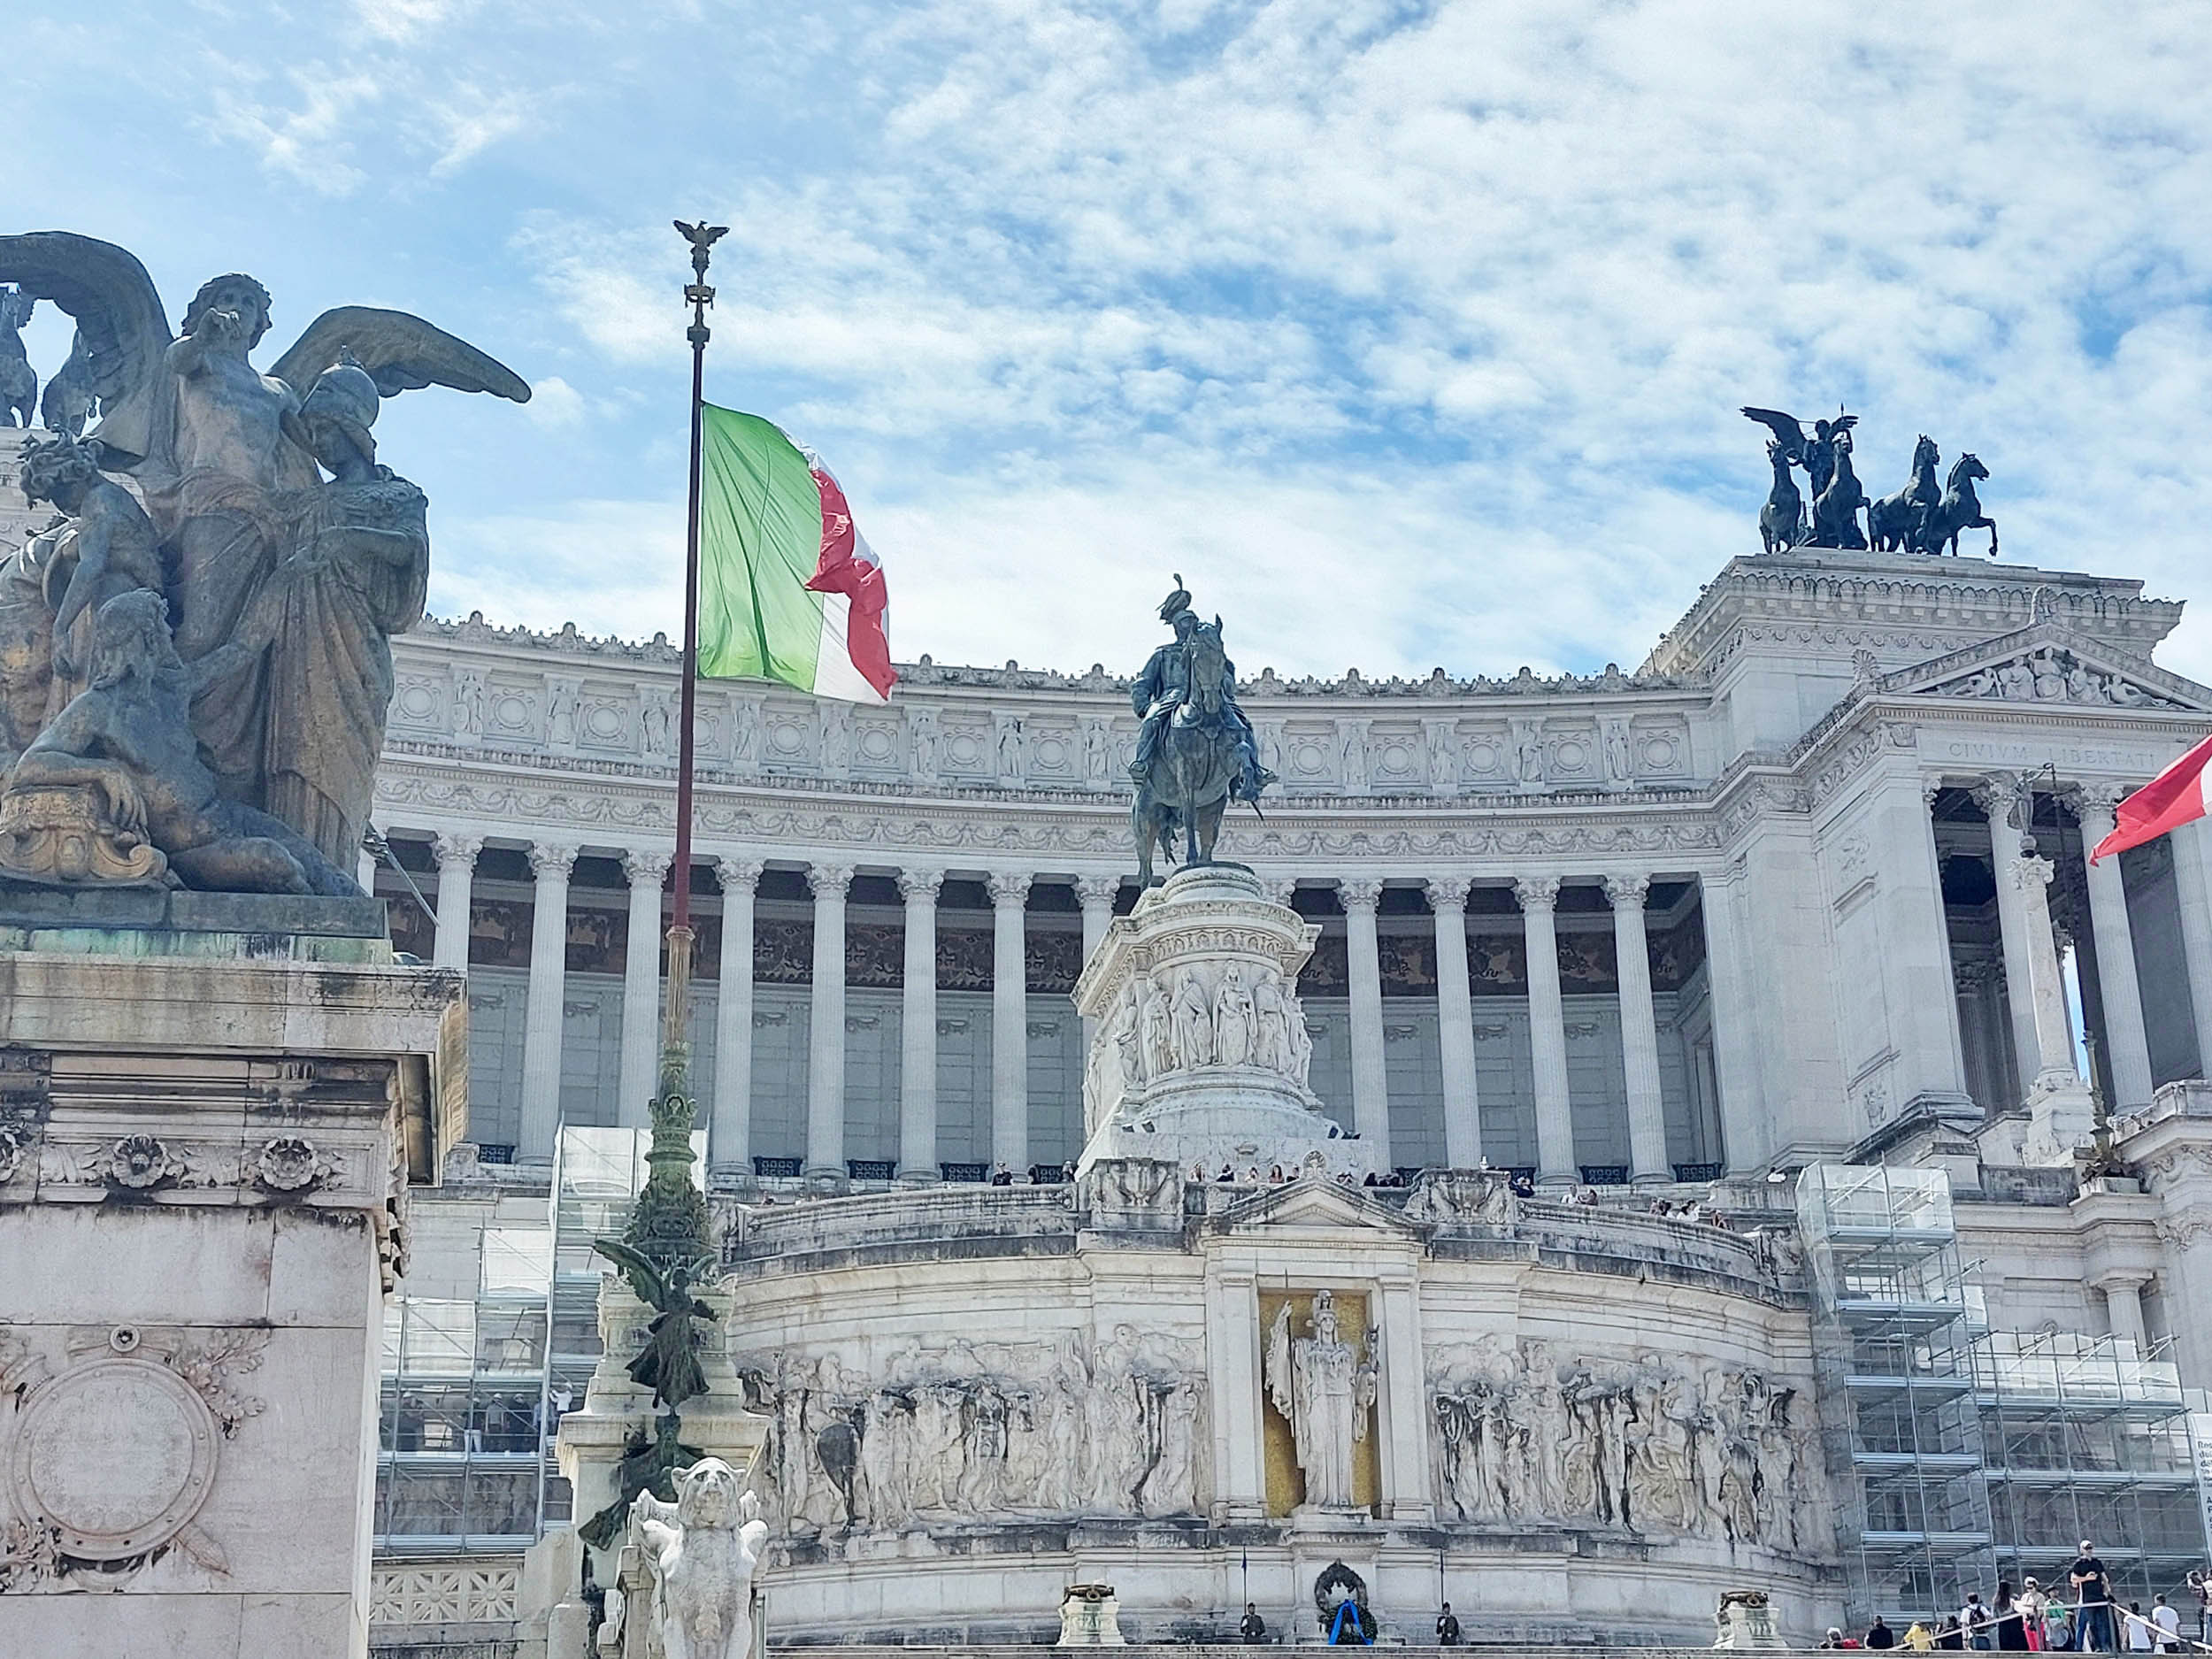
112,1454
989,1432
1649,1445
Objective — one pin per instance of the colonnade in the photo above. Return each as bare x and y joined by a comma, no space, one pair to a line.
2041,1033
730,1107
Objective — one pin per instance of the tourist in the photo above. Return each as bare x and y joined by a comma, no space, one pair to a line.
1834,1639
2092,1589
1227,1177
1001,1175
2058,1625
2142,1636
1950,1636
1252,1175
2012,1624
2200,1584
1448,1627
1252,1627
2167,1619
1974,1622
1919,1638
1274,1175
1880,1635
2032,1603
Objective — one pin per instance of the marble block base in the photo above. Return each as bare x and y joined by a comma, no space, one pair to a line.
204,1158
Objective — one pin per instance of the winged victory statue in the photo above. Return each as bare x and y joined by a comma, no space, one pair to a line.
287,557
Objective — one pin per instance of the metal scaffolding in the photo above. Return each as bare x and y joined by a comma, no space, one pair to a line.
1894,1324
473,1388
1970,1455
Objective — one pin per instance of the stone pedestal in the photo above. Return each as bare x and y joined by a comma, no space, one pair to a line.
1201,1053
1746,1620
1090,1618
210,1108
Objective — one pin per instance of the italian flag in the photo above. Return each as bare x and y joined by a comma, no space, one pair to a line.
788,590
2173,798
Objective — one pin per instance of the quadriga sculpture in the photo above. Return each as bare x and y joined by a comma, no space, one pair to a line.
703,1550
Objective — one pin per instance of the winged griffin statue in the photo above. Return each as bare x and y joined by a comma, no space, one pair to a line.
214,719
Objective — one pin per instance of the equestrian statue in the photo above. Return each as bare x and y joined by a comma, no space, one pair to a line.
1196,749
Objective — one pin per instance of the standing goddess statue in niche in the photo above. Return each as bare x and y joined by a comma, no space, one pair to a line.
1320,1383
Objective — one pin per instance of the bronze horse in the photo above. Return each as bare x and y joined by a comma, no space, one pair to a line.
1893,523
1961,509
1782,521
1836,508
1192,775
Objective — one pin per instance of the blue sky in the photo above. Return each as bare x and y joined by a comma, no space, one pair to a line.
1409,333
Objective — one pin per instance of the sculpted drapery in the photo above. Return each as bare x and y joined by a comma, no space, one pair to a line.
287,557
1326,1391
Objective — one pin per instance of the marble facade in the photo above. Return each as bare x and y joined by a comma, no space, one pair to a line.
207,1134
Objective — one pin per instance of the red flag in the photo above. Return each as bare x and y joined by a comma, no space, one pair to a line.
2173,798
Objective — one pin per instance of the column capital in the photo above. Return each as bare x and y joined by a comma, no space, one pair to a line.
1997,793
829,881
1930,789
1448,892
739,875
1627,893
1537,893
2095,802
1091,891
458,851
646,867
919,886
1280,889
1009,888
551,860
1359,893
2121,1279
2030,874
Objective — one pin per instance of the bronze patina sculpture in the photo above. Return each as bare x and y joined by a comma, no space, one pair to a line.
256,547
1195,751
669,1362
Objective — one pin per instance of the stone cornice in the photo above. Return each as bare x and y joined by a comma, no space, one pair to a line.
1840,592
611,652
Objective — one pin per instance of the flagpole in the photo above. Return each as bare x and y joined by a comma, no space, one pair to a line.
669,1220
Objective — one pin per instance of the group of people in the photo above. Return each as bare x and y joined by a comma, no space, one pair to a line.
1350,1626
2081,1615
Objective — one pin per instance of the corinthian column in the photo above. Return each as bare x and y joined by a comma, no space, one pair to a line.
1547,1033
1095,894
642,985
1640,1031
1362,959
1456,1023
918,1029
730,1133
825,1044
456,866
1999,796
550,863
1010,1022
2125,1045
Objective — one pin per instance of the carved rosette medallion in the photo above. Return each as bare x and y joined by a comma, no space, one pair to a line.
142,1161
116,1456
288,1164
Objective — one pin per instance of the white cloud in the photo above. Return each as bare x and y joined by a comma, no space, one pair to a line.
1441,314
554,404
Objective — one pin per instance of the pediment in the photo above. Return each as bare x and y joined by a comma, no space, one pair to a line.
1314,1203
2048,664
